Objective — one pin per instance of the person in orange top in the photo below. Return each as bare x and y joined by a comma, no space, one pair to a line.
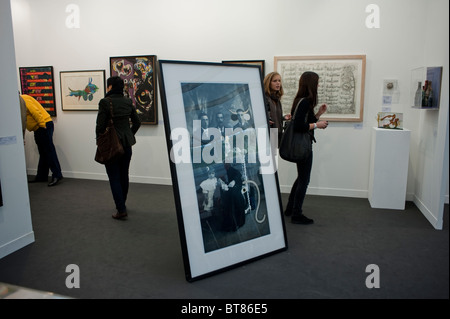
40,122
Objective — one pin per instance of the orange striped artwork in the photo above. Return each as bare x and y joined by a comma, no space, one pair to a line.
38,82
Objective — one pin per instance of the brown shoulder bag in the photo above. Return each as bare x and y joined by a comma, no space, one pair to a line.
109,147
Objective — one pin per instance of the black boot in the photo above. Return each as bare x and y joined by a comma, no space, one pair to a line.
288,210
301,219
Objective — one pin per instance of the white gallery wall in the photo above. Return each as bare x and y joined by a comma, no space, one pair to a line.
411,34
16,229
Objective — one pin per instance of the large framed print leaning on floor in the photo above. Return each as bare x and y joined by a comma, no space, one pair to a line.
223,172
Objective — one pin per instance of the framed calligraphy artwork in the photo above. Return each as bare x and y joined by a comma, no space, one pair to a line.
225,183
138,73
341,83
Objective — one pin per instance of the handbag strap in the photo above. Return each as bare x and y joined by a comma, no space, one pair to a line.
111,109
295,112
306,119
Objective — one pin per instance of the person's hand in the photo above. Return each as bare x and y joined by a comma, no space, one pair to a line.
322,109
232,183
322,124
288,117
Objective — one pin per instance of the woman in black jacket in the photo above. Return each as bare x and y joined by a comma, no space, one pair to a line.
123,112
305,101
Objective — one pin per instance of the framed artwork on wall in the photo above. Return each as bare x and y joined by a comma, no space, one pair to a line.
225,183
341,83
38,82
138,73
260,63
82,90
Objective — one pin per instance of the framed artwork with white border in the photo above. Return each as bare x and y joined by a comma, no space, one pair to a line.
224,177
82,90
341,83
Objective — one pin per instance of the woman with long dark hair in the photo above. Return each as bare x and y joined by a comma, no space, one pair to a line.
304,103
124,112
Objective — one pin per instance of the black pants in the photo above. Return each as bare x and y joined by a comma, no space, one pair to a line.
48,159
119,179
298,191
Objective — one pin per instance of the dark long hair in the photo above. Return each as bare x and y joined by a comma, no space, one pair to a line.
307,88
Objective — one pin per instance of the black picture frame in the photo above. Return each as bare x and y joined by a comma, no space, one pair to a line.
226,190
39,83
1,196
260,63
138,73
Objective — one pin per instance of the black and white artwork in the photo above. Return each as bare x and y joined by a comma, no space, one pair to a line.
223,171
229,188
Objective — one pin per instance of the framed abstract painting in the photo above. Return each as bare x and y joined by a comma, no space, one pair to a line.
138,73
39,83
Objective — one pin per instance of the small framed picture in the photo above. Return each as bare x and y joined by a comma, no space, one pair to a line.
82,90
223,172
138,73
38,82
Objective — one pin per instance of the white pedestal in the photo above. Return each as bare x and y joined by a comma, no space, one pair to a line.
389,168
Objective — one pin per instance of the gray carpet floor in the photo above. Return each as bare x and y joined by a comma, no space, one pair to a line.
141,258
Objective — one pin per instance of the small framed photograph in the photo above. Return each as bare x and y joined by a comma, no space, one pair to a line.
223,172
82,90
138,73
260,63
341,83
39,83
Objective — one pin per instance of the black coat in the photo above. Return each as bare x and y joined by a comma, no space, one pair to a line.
304,111
123,111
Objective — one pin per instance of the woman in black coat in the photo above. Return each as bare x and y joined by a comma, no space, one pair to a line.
123,112
305,101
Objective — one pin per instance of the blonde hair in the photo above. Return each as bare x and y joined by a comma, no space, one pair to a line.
268,80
